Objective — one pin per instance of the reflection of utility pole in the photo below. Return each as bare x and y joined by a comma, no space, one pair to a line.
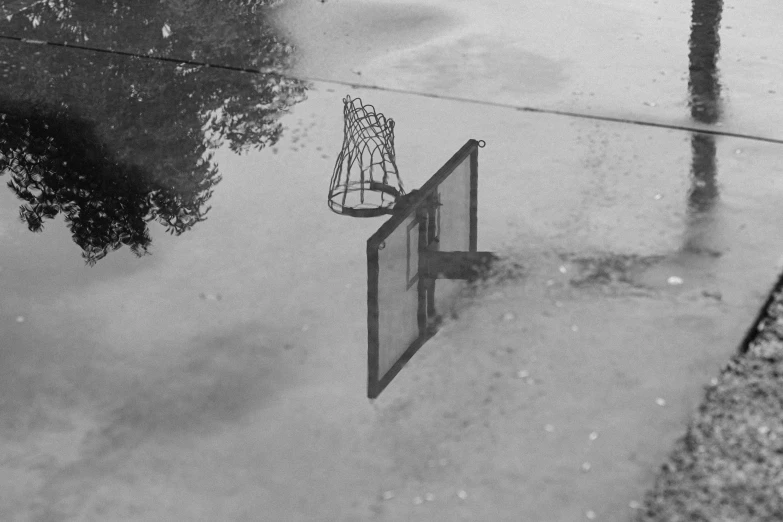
703,58
704,101
704,186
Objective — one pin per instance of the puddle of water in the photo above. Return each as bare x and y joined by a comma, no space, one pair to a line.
549,182
113,142
262,388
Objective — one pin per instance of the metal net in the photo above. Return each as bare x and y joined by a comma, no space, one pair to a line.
365,181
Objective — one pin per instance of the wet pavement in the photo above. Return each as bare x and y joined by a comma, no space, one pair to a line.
222,376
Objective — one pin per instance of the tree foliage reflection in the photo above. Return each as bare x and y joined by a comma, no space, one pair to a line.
113,142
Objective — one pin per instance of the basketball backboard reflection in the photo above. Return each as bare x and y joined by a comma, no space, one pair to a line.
432,238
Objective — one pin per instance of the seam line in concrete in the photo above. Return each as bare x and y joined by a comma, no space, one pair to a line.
272,71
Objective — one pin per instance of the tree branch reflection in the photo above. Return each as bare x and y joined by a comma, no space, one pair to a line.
114,142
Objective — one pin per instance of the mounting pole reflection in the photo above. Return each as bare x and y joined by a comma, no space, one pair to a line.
705,103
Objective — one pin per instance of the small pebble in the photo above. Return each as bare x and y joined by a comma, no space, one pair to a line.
593,435
522,374
563,269
388,495
674,280
658,196
429,497
660,402
19,319
418,501
738,151
586,467
574,328
550,282
714,381
634,504
549,428
462,494
763,430
508,316
590,515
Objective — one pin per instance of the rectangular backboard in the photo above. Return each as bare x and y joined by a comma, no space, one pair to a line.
401,304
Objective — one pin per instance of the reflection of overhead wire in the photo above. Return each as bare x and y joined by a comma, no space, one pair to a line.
355,85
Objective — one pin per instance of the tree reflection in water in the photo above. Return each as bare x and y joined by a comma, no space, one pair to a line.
113,142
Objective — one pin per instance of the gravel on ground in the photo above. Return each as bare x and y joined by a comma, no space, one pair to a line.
729,464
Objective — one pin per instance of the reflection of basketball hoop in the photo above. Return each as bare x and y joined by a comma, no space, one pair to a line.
365,182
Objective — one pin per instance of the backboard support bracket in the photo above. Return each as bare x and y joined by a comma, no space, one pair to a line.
467,266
